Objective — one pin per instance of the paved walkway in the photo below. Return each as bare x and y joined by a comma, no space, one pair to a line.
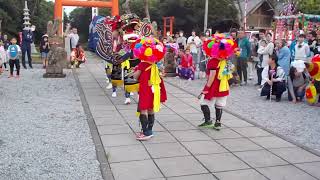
182,151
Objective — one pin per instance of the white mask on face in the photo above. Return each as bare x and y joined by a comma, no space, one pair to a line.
181,34
207,34
168,34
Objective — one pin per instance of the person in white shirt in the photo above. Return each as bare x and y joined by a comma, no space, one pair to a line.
302,49
194,42
74,38
273,79
182,41
264,51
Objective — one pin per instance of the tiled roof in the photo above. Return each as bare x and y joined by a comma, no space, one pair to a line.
252,6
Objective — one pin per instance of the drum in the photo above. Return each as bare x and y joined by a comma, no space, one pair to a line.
116,76
131,85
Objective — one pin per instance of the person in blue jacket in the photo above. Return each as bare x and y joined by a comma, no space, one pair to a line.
284,55
242,61
27,39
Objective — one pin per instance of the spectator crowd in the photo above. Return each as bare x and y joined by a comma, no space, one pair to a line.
277,65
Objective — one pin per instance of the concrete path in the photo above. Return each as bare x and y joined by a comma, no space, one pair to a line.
180,150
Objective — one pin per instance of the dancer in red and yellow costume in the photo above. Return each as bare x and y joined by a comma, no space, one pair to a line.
313,89
219,70
152,90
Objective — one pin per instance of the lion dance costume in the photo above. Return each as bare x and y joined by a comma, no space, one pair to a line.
219,70
152,90
114,47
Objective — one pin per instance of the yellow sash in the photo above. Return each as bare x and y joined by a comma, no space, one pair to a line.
224,84
125,64
155,81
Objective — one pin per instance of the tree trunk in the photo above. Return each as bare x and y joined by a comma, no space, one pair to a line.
126,7
240,20
146,7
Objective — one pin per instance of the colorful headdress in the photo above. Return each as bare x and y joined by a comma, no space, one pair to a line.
219,46
129,21
316,58
314,67
114,22
149,49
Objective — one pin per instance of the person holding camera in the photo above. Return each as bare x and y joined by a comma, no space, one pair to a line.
194,42
44,50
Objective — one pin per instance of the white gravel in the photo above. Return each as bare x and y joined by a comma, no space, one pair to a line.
43,130
298,122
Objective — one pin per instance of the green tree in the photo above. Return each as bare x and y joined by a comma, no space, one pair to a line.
41,12
309,6
81,18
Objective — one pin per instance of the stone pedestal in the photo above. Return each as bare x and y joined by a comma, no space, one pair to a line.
57,59
170,64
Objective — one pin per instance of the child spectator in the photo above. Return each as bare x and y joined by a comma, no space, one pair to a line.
263,59
273,79
78,56
297,82
186,68
44,50
13,56
6,44
3,56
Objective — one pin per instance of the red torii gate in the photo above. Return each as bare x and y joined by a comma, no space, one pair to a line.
58,6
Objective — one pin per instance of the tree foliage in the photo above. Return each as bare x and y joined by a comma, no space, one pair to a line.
309,6
189,14
41,11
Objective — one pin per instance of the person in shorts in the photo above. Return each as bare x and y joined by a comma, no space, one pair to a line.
44,50
212,95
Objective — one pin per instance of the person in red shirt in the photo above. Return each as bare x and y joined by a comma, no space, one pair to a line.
211,95
219,71
78,56
146,98
186,68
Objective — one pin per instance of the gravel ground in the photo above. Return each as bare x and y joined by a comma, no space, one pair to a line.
299,122
44,133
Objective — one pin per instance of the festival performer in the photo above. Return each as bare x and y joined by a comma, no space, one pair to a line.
106,49
130,28
116,36
77,56
215,93
110,49
313,89
152,90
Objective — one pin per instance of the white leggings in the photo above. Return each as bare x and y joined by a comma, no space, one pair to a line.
218,102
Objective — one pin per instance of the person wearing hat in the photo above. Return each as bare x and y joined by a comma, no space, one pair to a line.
297,81
44,50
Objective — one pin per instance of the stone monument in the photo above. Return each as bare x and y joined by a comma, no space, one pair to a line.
169,63
27,24
57,57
